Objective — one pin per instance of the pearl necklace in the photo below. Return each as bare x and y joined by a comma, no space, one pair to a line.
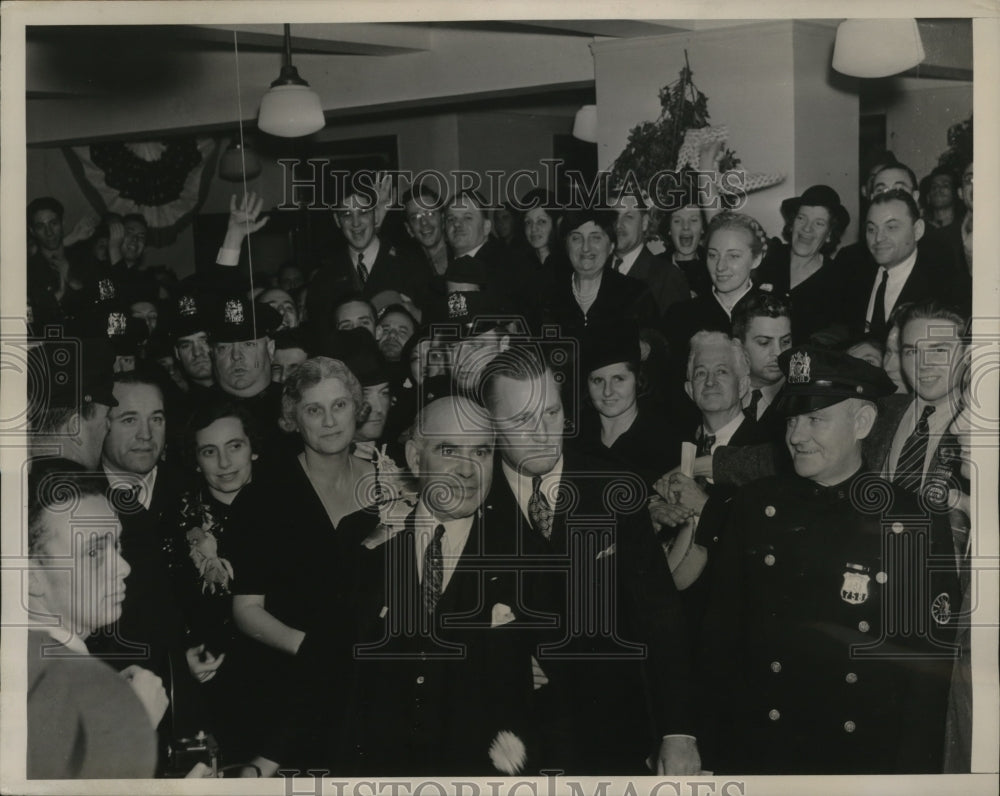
581,297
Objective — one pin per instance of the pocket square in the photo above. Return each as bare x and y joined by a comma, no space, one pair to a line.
608,551
501,615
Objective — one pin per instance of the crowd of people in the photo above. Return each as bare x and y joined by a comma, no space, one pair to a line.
512,495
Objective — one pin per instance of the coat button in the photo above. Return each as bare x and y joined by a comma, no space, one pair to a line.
863,626
769,560
849,726
769,511
897,527
775,666
420,680
774,715
851,677
881,577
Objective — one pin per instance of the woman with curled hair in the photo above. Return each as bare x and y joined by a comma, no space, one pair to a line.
541,230
220,445
801,268
300,525
736,246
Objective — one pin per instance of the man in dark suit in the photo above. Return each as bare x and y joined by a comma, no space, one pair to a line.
900,273
620,652
443,675
827,635
366,264
150,630
763,325
665,281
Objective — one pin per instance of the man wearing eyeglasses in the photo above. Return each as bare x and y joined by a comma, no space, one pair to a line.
366,264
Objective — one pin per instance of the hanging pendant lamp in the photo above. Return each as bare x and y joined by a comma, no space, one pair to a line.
290,108
877,47
239,162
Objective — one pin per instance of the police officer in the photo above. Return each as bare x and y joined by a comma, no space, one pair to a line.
827,634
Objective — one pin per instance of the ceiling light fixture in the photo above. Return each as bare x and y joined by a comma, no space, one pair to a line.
290,108
236,159
877,47
585,124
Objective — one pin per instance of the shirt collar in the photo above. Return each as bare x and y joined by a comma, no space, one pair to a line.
900,273
130,480
475,251
628,260
370,253
724,434
67,638
745,290
522,485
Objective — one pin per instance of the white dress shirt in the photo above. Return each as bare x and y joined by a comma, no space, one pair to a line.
628,260
129,480
522,487
893,287
767,395
937,425
370,253
456,534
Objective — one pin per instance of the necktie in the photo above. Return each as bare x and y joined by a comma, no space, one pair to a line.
877,326
910,467
751,409
431,586
619,261
539,510
705,442
362,269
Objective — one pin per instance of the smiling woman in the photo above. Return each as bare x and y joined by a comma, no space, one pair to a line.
297,530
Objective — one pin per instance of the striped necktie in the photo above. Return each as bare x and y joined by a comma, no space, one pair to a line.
910,467
539,510
362,269
431,586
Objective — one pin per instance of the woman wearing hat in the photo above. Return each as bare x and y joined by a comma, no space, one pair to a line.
631,436
801,268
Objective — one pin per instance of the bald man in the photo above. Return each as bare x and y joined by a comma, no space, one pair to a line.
445,677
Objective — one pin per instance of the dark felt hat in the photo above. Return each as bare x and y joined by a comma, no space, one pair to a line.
817,196
357,349
816,378
607,343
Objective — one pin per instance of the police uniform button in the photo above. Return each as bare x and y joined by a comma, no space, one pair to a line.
851,677
775,666
849,726
774,715
769,511
769,560
863,626
420,680
897,527
881,577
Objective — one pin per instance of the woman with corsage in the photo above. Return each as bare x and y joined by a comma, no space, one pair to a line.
300,528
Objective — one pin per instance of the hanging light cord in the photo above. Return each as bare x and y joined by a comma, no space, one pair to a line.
243,160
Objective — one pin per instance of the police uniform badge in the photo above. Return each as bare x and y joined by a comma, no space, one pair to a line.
117,324
798,368
234,311
855,587
457,306
941,608
186,306
106,290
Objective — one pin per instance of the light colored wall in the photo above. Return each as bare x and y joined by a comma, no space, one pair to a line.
747,73
917,122
508,142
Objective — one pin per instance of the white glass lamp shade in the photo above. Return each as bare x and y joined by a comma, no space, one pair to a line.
290,111
877,47
585,124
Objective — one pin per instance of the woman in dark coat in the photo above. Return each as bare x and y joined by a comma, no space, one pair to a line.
593,292
802,268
